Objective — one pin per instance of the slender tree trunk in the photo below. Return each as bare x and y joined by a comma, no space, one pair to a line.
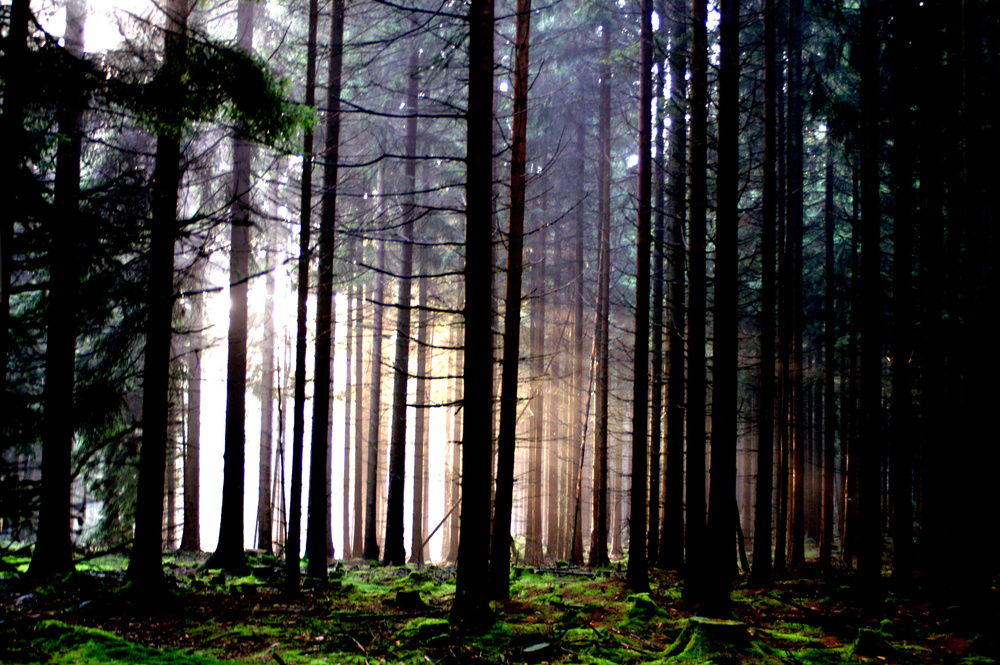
672,530
579,415
829,366
695,505
506,442
191,533
293,544
903,320
348,405
761,573
53,553
371,549
421,505
360,471
395,553
454,484
869,495
471,605
264,510
598,556
145,569
637,572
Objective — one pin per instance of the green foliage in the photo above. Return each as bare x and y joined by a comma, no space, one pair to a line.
58,642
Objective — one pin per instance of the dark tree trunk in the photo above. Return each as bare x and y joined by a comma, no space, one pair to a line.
672,530
637,572
471,606
506,441
229,553
191,533
294,543
145,568
696,551
902,434
371,548
715,600
579,419
598,556
761,573
53,553
869,444
829,366
420,438
395,552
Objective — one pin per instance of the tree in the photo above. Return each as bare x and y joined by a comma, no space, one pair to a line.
638,571
319,521
761,572
229,553
471,605
395,553
53,550
293,544
145,568
371,549
264,509
725,344
506,442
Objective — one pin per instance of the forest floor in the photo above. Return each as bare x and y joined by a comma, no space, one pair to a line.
373,614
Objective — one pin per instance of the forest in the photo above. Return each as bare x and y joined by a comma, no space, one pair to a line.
486,322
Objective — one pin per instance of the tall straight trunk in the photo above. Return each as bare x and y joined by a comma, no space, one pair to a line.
761,572
782,341
903,320
53,553
672,528
347,551
851,414
229,553
695,551
507,439
293,543
656,350
725,345
12,167
794,225
264,509
598,556
533,550
360,473
421,507
319,518
371,546
471,605
637,572
395,553
455,466
869,495
145,568
191,532
579,416
829,364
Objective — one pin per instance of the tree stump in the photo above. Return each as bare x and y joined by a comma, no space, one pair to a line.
707,639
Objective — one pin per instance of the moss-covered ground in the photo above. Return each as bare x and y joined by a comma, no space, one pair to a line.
372,614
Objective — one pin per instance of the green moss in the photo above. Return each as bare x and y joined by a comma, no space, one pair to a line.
62,643
425,630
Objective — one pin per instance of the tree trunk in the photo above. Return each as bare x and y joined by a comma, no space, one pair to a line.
371,549
579,417
53,553
761,573
395,553
264,510
672,530
695,505
191,533
347,551
293,544
637,572
829,366
471,606
360,471
420,439
145,568
506,441
598,555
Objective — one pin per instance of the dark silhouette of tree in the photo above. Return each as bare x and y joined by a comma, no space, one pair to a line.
371,548
637,573
471,605
319,521
510,364
395,553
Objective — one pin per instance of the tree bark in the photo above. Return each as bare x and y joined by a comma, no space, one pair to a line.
371,549
507,439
